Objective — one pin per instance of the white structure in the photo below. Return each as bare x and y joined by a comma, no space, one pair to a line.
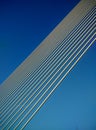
31,84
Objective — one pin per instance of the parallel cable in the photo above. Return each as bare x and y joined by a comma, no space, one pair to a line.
54,82
7,98
22,102
56,86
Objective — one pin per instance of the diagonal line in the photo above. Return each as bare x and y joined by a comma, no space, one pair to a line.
45,91
57,84
7,111
67,60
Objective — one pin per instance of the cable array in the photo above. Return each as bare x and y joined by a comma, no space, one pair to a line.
22,103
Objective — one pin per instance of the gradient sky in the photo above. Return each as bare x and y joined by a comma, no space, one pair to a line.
23,25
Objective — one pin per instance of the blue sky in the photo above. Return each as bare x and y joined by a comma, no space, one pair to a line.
23,25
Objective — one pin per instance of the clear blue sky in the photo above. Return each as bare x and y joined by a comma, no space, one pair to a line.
23,25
